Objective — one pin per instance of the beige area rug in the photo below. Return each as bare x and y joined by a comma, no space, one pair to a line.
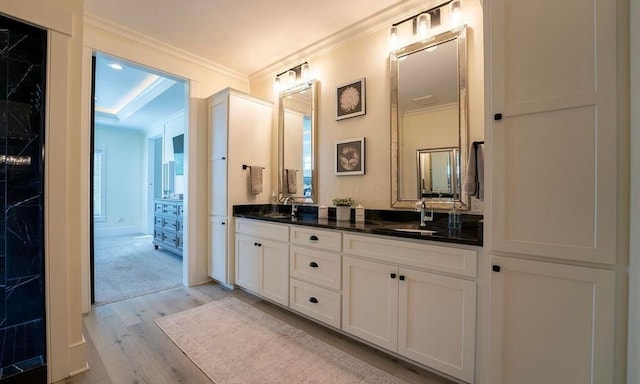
235,343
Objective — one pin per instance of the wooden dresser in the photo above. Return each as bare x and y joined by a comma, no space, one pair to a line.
167,230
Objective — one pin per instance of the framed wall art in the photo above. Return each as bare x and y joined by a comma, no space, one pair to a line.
350,99
349,155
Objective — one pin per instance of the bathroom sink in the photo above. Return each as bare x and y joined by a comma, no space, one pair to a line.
277,215
425,232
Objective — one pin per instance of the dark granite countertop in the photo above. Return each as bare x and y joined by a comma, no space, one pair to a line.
378,222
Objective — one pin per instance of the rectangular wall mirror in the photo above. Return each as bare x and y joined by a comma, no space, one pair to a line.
297,126
429,122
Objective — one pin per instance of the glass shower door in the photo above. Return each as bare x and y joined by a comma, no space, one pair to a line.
23,55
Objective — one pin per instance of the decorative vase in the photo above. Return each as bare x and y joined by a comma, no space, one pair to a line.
343,213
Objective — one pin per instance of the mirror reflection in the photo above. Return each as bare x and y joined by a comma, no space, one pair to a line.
297,138
437,171
429,121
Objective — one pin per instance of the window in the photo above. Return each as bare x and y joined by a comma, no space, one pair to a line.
99,185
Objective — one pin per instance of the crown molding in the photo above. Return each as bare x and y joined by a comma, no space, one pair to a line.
374,23
122,33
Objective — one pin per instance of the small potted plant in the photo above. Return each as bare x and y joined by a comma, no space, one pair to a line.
343,208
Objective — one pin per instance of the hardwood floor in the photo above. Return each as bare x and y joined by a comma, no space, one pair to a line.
124,344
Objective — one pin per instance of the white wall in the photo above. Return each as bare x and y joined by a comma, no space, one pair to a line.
125,187
367,55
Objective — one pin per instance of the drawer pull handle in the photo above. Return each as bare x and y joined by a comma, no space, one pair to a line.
313,300
495,268
259,244
223,223
313,238
393,275
401,277
313,264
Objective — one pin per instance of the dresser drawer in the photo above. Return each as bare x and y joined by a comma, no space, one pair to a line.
278,232
315,302
315,266
317,238
170,225
415,255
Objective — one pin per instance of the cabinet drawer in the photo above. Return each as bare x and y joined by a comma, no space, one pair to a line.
317,267
170,225
158,221
318,303
316,238
425,256
170,209
158,207
264,230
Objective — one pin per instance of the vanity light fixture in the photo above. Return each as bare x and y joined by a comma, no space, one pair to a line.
427,23
292,77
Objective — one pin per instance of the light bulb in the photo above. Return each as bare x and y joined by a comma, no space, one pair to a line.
276,85
456,14
423,22
393,38
304,72
291,78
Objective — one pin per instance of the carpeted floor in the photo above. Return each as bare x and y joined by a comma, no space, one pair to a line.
235,343
128,266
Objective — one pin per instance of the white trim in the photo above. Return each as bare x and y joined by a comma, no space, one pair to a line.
131,36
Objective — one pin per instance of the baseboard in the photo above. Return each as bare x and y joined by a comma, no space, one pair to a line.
78,358
117,231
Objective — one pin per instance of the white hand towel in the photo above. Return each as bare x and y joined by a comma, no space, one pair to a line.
469,187
480,172
255,177
292,181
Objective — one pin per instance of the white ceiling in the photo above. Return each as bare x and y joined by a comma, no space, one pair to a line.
244,35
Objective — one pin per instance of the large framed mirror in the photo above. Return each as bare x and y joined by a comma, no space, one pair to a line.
429,136
297,132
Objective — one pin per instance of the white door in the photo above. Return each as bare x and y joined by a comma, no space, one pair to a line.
437,322
554,129
247,263
275,271
551,323
218,248
370,301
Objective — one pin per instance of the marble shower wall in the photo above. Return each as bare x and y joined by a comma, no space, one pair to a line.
22,307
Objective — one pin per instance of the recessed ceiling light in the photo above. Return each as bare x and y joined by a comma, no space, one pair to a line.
115,66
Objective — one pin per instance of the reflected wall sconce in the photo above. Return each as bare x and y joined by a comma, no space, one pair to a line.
292,77
424,24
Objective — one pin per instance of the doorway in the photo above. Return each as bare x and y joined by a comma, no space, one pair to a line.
139,118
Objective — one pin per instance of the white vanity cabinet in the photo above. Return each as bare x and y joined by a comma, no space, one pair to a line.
315,271
396,295
262,259
239,133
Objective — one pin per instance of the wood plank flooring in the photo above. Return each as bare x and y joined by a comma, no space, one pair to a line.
125,346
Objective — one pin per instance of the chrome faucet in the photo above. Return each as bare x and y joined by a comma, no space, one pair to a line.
286,200
424,215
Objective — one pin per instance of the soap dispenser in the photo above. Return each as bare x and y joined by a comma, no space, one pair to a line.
455,220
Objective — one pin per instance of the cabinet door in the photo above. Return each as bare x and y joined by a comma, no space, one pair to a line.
218,248
370,301
437,322
218,195
248,263
274,279
551,323
553,149
218,130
